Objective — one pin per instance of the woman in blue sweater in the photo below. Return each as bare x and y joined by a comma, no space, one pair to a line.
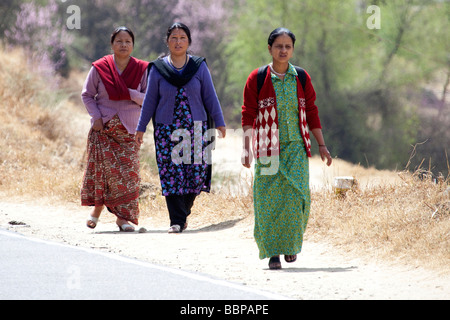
183,103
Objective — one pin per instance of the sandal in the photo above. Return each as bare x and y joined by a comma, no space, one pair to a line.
290,258
126,227
274,263
91,222
174,229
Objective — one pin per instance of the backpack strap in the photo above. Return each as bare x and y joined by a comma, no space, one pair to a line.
262,72
301,73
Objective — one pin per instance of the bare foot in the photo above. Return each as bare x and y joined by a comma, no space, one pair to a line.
289,258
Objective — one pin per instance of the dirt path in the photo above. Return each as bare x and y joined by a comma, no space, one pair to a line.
227,251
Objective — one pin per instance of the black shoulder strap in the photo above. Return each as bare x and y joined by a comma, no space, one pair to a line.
301,73
262,72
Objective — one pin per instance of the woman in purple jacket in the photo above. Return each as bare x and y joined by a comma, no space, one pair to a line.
182,101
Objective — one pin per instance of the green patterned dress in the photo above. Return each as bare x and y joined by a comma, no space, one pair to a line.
282,199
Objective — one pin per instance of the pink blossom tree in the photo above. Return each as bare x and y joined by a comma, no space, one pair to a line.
43,35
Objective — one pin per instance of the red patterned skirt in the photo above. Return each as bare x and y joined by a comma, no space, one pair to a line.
112,172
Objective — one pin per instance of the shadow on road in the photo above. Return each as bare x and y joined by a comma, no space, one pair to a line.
211,228
330,269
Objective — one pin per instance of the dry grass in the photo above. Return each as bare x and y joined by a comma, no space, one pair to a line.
42,144
408,221
39,151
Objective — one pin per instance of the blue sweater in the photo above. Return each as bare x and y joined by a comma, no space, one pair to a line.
159,101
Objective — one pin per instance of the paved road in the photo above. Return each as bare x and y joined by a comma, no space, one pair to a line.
37,269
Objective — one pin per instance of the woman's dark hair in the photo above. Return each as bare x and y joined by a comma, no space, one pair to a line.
278,32
118,30
179,25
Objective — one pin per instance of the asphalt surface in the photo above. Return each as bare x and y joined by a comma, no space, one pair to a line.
34,269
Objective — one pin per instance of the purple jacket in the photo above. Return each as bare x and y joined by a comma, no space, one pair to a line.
159,101
97,102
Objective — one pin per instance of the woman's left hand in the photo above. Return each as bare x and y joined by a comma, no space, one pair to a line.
222,132
325,155
139,136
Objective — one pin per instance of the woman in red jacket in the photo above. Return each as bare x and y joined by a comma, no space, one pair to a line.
278,115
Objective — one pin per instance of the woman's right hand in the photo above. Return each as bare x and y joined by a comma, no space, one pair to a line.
139,136
98,125
246,157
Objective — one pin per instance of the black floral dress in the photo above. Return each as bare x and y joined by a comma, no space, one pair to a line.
180,152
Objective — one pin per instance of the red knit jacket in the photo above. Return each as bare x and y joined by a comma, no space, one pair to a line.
261,113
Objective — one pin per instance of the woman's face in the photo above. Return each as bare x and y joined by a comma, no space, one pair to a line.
282,49
122,45
178,42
